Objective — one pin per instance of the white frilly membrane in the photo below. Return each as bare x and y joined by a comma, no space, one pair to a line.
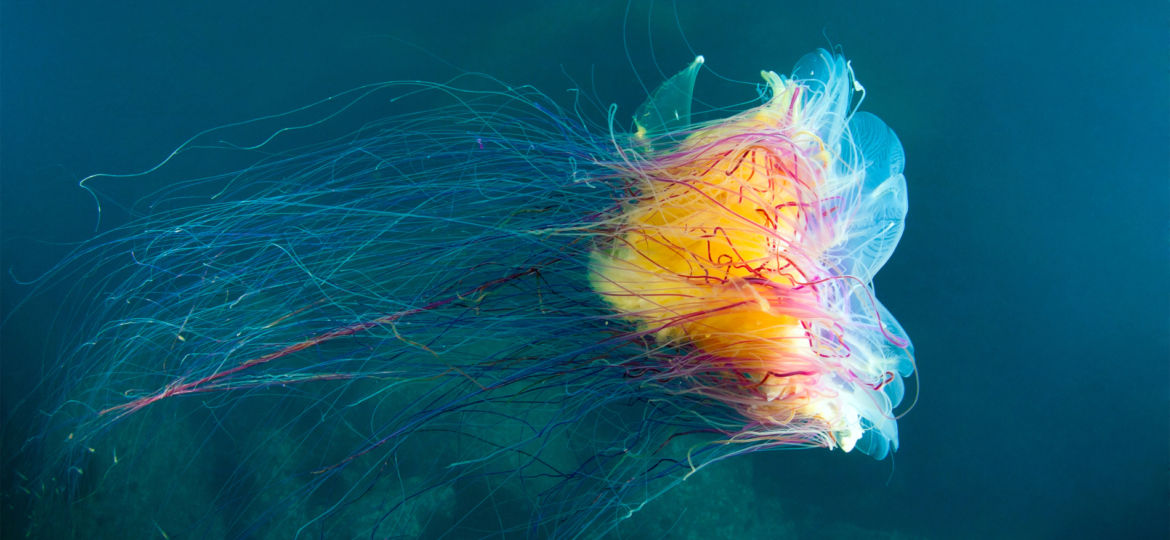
867,176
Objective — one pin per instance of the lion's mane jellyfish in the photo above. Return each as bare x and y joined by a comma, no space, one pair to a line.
486,315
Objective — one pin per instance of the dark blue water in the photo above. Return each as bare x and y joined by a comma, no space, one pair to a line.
1034,274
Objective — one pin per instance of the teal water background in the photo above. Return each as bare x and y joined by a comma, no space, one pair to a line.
1033,275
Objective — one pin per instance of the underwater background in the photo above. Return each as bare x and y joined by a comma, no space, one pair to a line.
1033,276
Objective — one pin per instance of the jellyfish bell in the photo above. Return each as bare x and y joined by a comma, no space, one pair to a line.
749,245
